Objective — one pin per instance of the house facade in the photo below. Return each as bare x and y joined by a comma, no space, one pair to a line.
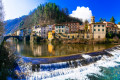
18,33
44,32
60,28
50,27
37,30
73,26
111,27
98,31
50,35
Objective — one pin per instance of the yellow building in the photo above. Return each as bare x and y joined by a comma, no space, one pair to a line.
50,35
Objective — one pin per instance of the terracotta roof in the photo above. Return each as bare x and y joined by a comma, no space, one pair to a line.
109,22
98,23
110,27
59,24
81,25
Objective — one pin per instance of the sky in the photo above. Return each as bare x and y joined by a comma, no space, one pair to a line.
77,8
17,8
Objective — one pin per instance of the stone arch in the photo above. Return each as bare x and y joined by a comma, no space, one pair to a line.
17,37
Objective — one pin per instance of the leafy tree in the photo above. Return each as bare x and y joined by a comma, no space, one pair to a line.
119,23
110,35
86,25
21,24
102,20
1,28
49,13
112,19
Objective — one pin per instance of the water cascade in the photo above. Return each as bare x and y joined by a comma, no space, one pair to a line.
71,68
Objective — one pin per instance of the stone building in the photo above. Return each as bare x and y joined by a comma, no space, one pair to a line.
111,27
73,26
44,32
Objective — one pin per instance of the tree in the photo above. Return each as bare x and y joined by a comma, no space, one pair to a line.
86,25
102,20
21,24
112,19
119,23
49,13
1,28
1,18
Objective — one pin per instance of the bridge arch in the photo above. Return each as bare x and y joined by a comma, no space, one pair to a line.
17,37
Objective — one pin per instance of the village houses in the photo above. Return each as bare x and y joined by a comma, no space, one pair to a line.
72,30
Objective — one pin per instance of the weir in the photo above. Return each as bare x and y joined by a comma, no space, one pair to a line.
45,68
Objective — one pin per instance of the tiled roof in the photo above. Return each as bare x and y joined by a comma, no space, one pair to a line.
110,27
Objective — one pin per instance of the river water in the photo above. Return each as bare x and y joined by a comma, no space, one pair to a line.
48,50
66,61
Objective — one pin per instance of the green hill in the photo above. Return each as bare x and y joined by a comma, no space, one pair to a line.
48,13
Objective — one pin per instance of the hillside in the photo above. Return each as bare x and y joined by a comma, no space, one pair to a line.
12,25
48,13
44,14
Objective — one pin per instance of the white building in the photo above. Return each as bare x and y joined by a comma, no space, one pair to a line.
37,30
18,32
98,31
118,26
61,29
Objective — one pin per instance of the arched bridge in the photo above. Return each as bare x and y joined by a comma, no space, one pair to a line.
17,37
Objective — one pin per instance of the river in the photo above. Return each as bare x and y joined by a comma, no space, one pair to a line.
42,61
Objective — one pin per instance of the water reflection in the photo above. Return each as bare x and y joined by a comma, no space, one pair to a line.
49,50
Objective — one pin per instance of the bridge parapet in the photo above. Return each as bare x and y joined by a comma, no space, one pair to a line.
17,37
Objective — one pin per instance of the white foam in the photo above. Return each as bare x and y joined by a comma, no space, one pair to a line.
86,56
79,73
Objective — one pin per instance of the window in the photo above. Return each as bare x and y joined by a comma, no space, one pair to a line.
102,25
62,30
111,32
98,29
94,29
68,36
59,31
98,25
88,36
102,29
73,37
83,37
98,36
94,25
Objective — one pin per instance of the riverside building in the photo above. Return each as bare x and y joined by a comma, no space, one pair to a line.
98,30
